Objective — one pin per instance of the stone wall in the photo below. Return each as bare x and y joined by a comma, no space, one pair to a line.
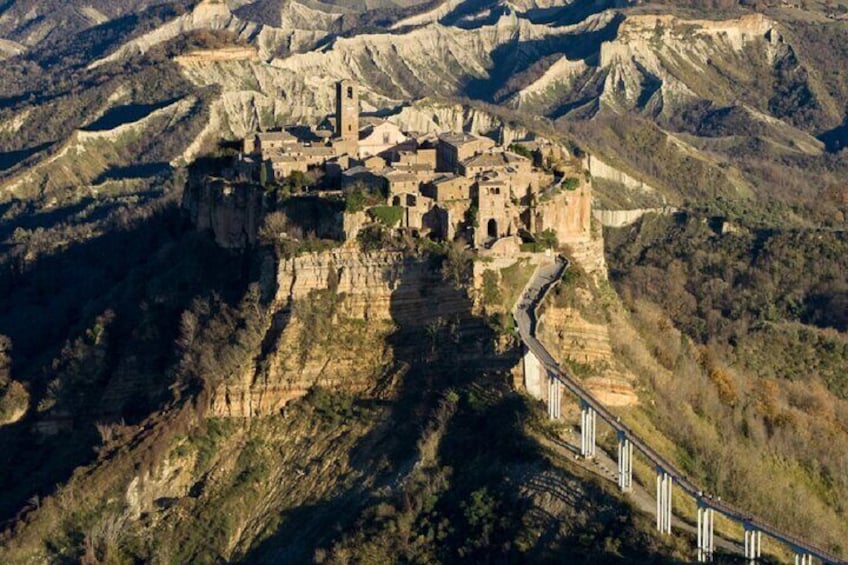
568,214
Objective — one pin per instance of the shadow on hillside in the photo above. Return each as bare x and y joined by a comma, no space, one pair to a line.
484,444
142,170
836,140
12,158
145,275
465,9
513,63
126,114
570,14
436,330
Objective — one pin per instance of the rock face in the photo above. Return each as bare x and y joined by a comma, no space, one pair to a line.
383,286
661,60
433,60
624,218
572,338
319,336
568,214
575,325
601,170
232,212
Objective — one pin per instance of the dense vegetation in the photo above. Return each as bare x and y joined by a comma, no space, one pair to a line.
746,327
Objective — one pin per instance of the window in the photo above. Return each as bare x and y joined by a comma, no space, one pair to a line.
386,138
350,92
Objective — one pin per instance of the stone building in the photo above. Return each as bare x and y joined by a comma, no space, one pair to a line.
453,148
401,182
500,161
449,187
495,213
453,185
347,111
379,138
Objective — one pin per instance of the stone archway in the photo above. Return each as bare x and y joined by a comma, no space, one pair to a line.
492,228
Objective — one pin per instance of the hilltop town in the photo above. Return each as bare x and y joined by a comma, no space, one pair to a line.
445,186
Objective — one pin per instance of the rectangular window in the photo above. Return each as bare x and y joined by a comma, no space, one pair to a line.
350,92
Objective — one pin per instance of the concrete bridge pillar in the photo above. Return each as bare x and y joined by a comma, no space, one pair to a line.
625,462
554,397
753,543
533,375
587,431
803,559
664,484
706,543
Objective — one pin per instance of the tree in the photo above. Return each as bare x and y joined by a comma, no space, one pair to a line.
548,239
263,175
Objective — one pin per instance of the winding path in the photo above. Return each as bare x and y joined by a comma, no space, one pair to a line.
546,278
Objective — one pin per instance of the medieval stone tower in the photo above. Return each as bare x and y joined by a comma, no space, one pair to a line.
347,111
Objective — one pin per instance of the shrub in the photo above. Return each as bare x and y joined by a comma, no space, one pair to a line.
389,216
519,149
372,238
491,291
456,267
570,183
355,200
548,239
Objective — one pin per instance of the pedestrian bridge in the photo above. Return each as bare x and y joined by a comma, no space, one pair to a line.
541,367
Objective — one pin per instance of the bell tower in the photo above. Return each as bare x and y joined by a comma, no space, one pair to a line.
347,111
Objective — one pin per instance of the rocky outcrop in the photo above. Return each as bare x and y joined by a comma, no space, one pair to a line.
381,286
434,60
10,49
232,212
574,340
599,169
336,313
623,218
546,92
208,14
659,61
568,214
431,116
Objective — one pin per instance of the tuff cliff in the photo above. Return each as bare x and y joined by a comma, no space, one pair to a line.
232,212
580,320
337,318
